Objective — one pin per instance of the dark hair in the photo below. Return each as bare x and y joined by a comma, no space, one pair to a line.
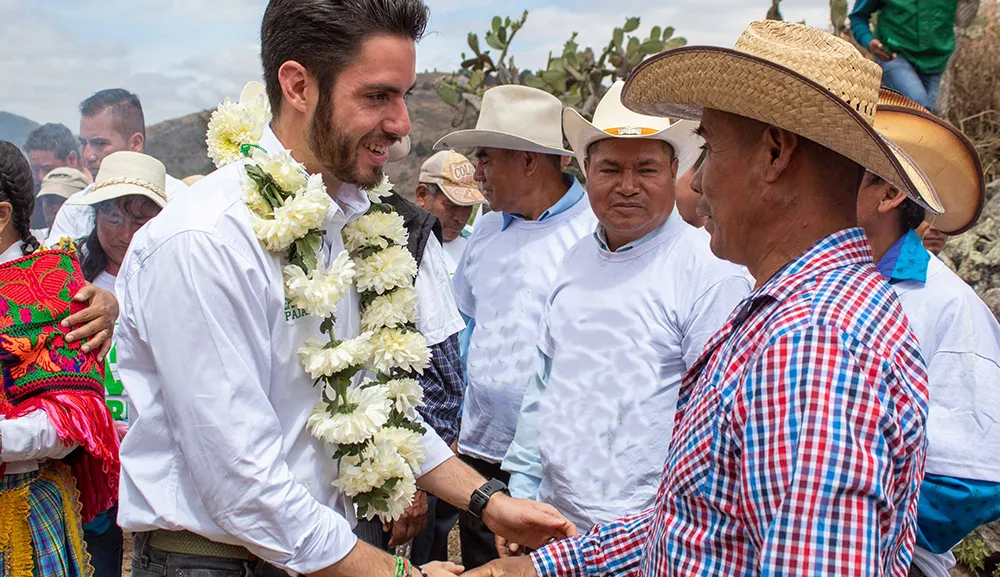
94,260
122,105
18,188
326,36
55,138
911,214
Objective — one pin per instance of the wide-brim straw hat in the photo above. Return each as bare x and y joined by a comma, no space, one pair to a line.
787,75
613,120
125,174
943,152
513,117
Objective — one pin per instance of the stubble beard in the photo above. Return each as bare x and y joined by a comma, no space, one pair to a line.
336,151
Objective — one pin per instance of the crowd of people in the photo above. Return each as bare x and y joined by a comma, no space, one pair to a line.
731,349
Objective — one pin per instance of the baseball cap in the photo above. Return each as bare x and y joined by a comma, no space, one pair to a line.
63,182
453,173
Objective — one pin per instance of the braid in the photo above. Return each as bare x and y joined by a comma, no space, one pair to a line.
18,188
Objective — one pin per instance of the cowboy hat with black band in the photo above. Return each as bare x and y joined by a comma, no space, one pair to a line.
788,75
943,152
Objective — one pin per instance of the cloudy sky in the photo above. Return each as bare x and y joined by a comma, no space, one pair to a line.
181,56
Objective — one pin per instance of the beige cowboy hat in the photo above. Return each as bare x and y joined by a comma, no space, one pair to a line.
514,117
787,75
613,120
943,152
454,175
63,182
127,173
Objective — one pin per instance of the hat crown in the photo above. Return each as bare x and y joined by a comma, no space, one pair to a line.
831,62
522,111
611,113
132,166
448,166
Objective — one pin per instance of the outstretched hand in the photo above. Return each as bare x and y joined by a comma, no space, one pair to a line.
439,569
511,567
412,522
525,522
96,323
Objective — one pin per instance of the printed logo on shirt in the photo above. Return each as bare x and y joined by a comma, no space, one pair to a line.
293,313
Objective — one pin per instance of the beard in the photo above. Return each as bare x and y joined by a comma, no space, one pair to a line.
337,150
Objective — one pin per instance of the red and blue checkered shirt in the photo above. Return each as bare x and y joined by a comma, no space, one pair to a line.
799,443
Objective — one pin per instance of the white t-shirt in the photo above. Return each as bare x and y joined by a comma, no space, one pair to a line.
622,329
438,314
453,252
77,221
501,282
105,281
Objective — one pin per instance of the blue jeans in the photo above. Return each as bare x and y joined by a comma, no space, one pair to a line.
105,547
899,75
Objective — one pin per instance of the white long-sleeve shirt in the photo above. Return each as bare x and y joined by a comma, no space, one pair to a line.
218,399
32,438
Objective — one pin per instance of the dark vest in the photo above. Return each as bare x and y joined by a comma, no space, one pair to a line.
419,223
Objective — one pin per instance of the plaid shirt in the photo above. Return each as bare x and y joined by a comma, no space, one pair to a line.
799,440
444,388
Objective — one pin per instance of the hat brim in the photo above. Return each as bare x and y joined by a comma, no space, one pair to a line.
479,138
65,195
947,156
681,83
581,133
114,191
461,195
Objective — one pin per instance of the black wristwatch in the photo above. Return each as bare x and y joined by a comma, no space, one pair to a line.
481,496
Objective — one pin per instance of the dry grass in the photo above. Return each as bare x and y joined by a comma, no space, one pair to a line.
975,96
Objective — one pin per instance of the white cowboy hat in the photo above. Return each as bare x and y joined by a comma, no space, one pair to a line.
943,152
399,149
613,120
514,117
787,75
127,173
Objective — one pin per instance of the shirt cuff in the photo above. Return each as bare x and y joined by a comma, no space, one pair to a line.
437,451
324,544
524,486
562,558
31,438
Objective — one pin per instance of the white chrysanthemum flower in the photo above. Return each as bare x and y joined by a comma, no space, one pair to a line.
321,361
386,270
398,349
392,309
253,198
234,124
400,498
320,291
377,463
406,395
370,412
293,220
407,444
288,173
375,229
380,191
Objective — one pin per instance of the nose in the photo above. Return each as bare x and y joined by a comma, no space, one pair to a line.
398,123
480,174
629,184
89,154
696,178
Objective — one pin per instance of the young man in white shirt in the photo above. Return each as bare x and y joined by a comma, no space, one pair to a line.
110,121
958,335
507,269
447,189
630,310
219,471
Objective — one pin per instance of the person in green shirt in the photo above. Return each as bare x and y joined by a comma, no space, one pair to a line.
912,40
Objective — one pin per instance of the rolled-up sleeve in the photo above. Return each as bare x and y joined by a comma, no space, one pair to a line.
213,362
32,437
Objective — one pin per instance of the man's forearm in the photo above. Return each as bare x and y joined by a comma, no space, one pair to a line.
363,561
453,481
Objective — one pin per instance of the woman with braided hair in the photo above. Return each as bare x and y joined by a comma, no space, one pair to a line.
58,447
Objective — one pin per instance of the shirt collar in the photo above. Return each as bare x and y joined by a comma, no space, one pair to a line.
906,259
568,200
13,252
602,237
349,199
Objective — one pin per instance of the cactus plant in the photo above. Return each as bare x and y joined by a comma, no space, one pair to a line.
579,76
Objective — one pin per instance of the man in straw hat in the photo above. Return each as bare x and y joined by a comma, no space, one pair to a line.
798,444
630,310
447,189
221,473
958,335
507,269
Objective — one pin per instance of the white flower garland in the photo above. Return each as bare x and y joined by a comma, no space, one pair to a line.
373,426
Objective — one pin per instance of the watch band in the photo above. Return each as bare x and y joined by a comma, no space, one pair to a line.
481,496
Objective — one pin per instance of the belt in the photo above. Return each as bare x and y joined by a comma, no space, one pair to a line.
188,543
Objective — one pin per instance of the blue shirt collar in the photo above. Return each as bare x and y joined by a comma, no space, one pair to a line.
906,259
602,238
568,200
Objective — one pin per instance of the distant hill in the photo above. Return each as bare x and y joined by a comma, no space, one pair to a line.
14,128
180,143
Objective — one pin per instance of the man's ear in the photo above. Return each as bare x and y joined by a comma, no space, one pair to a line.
780,146
73,160
136,142
674,165
528,160
295,80
891,198
6,215
421,194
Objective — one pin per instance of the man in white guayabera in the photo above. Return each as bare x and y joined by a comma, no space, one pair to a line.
631,308
220,471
